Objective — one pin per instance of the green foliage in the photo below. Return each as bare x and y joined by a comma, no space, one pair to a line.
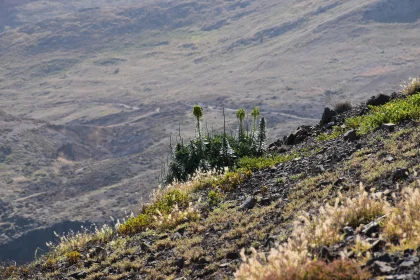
73,257
168,201
162,206
215,152
262,137
255,112
240,114
231,180
198,112
136,224
254,163
214,197
393,112
337,131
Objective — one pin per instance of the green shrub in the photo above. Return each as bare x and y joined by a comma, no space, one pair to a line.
73,257
214,197
395,112
165,204
255,163
208,152
136,224
337,131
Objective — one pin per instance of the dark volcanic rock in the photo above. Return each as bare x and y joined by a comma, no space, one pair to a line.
400,174
380,99
78,275
388,127
327,116
382,267
298,136
249,203
371,228
350,135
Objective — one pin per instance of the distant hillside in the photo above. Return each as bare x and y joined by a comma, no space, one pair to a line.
116,78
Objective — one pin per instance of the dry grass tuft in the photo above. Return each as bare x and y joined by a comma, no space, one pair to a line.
342,106
294,258
402,227
338,269
411,87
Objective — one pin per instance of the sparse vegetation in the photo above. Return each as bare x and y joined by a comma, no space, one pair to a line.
399,225
395,112
73,257
342,106
216,152
411,87
337,132
306,221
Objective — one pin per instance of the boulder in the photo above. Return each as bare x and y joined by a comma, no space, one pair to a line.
400,174
327,116
371,229
382,267
378,100
388,127
249,203
298,136
350,135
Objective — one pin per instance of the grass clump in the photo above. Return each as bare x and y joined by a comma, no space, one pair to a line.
337,131
326,228
296,258
73,257
342,106
176,217
402,227
338,269
255,163
77,240
412,86
231,180
135,224
214,197
395,111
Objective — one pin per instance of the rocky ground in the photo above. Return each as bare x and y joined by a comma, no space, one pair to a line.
259,212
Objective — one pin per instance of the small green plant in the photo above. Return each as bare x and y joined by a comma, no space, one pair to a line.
73,257
240,114
216,152
255,163
49,264
135,224
264,190
395,112
281,180
231,180
214,197
337,132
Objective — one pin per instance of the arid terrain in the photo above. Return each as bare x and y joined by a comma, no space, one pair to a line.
91,90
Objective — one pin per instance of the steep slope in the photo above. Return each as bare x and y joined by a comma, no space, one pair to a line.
275,199
124,76
50,174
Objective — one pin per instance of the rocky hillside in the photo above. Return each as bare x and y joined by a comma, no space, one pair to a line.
49,173
338,200
110,81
